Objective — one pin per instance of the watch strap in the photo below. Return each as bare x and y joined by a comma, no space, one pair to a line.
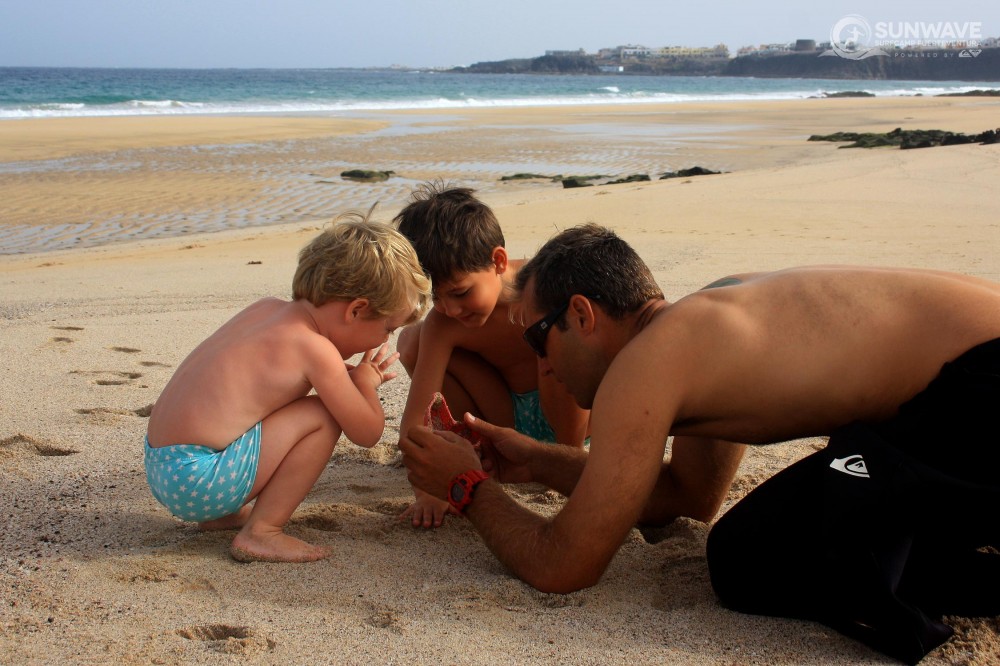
462,487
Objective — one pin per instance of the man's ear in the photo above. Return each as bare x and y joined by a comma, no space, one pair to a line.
581,313
355,310
500,260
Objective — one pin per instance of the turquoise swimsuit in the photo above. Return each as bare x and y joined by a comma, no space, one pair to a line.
529,419
199,483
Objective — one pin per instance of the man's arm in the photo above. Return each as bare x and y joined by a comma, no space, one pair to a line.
695,481
571,550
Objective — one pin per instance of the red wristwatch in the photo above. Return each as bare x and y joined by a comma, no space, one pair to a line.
462,486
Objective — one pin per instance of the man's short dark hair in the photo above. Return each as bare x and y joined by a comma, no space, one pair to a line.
451,230
593,261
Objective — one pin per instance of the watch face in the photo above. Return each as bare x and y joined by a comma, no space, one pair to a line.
457,492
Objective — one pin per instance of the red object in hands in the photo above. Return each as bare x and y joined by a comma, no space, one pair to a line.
438,417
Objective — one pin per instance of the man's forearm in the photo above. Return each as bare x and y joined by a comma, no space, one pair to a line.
695,481
557,466
524,542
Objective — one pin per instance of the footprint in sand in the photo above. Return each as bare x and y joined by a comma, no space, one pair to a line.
384,619
147,572
24,445
125,350
319,518
154,364
63,338
125,377
388,507
109,415
228,638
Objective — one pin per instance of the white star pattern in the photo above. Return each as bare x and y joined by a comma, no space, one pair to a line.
232,469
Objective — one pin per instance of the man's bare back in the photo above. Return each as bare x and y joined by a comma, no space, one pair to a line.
799,352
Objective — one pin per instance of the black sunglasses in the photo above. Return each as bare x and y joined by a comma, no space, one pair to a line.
536,334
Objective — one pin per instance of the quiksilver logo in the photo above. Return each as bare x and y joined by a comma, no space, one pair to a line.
853,465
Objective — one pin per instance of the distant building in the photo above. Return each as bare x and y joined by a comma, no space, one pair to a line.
578,52
764,49
627,52
717,51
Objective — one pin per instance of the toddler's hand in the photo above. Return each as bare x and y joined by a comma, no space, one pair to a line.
379,360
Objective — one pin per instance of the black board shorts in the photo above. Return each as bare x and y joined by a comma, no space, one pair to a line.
890,527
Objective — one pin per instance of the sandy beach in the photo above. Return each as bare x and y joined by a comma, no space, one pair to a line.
93,570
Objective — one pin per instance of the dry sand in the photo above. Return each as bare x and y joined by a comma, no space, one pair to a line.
94,571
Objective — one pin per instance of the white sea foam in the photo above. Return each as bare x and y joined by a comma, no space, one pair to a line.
611,95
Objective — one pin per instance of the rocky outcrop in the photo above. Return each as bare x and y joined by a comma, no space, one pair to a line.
908,138
900,65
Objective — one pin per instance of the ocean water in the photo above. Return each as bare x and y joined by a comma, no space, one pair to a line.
28,92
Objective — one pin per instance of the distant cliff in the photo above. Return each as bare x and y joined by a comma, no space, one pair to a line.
904,65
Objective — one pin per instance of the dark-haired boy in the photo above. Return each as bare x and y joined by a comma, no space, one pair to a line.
469,347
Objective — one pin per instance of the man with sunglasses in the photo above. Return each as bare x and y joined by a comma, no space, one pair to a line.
900,367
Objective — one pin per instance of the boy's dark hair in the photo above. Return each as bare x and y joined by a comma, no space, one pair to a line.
451,230
593,261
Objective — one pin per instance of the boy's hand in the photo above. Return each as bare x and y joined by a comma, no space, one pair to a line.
427,511
505,452
378,360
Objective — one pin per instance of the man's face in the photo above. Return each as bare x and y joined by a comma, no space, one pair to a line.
567,357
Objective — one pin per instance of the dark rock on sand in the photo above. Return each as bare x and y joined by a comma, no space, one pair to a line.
366,175
687,173
906,139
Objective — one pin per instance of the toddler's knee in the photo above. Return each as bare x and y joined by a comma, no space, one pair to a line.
321,416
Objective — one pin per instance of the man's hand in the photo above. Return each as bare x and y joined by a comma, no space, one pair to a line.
505,452
434,457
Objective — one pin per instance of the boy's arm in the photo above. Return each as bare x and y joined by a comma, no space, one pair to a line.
434,353
569,421
349,396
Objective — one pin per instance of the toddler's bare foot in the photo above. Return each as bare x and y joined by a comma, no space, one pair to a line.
275,547
233,521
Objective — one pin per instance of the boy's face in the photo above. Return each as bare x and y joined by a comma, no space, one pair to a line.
371,333
469,298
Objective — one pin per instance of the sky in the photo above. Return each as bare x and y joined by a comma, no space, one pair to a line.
418,33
